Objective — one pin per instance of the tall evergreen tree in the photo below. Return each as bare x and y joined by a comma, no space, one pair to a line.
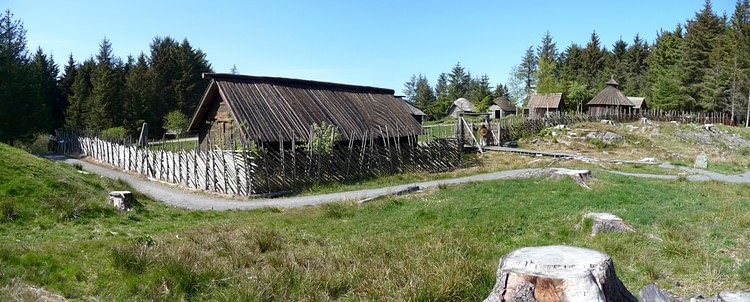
79,100
20,100
571,64
410,89
458,82
636,67
547,74
107,82
527,70
665,71
51,114
548,49
593,59
701,32
481,93
424,98
739,61
136,107
65,83
617,64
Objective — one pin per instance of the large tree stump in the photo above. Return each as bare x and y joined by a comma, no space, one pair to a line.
606,222
580,176
558,273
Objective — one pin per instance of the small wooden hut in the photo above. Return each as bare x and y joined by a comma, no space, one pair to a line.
461,105
271,110
541,105
501,107
609,101
416,113
639,104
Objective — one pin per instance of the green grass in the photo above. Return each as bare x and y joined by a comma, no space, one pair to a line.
443,244
175,146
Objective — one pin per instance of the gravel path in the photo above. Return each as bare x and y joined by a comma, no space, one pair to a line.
201,201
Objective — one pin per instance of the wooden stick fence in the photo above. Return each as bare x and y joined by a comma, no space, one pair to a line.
267,169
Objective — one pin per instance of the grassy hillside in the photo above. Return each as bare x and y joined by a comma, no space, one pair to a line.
433,246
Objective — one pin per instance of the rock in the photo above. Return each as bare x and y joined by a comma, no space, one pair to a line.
652,293
607,122
558,273
645,121
708,127
727,296
123,200
607,137
701,161
648,159
607,222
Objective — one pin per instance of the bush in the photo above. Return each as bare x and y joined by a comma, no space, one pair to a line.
115,133
132,258
9,211
268,241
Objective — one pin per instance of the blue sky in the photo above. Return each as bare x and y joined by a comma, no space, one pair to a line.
373,43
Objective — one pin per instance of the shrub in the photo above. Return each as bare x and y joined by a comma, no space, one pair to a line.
132,258
9,210
268,241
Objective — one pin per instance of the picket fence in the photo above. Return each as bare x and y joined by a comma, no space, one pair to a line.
264,170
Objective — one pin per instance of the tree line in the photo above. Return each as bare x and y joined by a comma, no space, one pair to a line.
101,92
701,65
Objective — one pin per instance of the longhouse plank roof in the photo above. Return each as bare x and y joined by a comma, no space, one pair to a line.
547,100
282,109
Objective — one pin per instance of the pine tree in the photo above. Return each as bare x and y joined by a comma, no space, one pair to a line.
548,49
739,60
593,59
50,115
107,82
665,72
65,83
20,100
571,64
410,89
424,98
617,63
636,67
79,100
527,70
136,107
481,93
458,82
697,46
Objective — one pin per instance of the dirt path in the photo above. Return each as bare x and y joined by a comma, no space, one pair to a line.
201,201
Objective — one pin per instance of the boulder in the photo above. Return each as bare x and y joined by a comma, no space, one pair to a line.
607,137
652,293
701,161
123,200
558,273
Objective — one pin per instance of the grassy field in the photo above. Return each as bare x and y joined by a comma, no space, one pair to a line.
440,245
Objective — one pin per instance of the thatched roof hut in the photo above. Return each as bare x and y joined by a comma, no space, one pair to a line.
271,109
544,104
461,105
502,107
609,101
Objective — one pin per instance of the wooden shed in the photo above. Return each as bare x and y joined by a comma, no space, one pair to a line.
639,103
272,110
541,105
609,101
416,113
461,105
502,107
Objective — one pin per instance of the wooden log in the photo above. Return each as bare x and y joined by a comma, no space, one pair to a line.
558,273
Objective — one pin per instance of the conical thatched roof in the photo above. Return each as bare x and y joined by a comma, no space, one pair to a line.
610,96
504,104
465,105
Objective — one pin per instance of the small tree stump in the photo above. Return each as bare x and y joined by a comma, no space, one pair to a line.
123,200
558,273
580,176
606,222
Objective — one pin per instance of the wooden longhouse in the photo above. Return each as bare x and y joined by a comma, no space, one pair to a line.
609,101
270,110
502,107
541,105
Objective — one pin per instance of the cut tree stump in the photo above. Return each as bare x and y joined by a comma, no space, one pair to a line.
580,176
606,222
123,201
558,273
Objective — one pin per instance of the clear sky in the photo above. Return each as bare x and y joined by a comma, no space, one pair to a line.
375,43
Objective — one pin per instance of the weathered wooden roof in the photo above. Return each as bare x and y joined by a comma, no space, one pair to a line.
547,100
638,102
504,104
414,110
610,96
281,109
